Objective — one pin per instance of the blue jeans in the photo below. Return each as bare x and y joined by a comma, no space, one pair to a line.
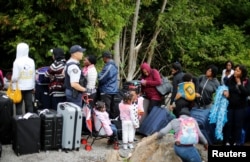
187,153
77,100
114,129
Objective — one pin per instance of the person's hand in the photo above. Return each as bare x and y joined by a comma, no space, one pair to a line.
206,146
238,81
177,96
143,82
197,95
171,108
226,94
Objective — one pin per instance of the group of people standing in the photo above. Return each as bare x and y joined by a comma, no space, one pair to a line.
68,80
235,78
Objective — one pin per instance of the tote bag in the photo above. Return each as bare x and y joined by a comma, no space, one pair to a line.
14,95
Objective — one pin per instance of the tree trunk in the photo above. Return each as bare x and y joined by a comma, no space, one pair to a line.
132,54
153,42
117,57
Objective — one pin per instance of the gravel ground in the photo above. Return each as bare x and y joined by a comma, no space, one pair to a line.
97,154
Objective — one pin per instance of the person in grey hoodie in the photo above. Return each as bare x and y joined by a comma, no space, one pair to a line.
24,75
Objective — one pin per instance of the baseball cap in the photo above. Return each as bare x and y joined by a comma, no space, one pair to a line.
107,54
76,48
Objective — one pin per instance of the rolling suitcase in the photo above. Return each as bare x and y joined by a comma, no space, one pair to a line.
51,129
72,125
6,113
201,116
26,134
157,119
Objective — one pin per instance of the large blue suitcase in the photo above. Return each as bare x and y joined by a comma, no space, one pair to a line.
201,116
157,119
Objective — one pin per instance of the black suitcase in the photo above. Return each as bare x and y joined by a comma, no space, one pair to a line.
42,96
6,113
51,130
26,134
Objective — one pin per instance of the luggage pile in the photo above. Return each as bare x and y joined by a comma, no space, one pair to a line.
45,130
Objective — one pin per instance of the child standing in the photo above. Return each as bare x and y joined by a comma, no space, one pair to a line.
109,128
138,110
128,119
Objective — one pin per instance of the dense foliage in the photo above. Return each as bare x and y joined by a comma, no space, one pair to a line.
194,32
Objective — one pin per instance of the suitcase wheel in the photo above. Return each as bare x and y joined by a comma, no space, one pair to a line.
88,147
84,141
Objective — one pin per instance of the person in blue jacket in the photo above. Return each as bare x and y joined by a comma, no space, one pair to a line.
108,83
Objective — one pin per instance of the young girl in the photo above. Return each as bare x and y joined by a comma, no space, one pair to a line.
109,128
128,119
137,109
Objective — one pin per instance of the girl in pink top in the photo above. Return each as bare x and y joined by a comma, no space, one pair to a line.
128,119
103,116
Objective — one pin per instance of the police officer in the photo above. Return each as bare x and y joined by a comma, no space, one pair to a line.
73,75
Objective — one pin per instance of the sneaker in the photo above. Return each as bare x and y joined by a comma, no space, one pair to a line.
125,146
227,144
130,146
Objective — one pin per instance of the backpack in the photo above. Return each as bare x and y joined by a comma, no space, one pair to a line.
187,90
188,133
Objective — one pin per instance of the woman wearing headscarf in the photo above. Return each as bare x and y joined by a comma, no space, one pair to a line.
149,80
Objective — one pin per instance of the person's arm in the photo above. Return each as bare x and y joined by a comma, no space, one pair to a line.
134,117
103,75
156,79
201,137
15,73
223,75
165,130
